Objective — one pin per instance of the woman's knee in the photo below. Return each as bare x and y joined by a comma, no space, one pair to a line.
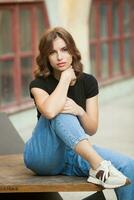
65,120
63,117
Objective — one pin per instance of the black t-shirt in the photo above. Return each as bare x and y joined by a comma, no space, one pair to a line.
85,87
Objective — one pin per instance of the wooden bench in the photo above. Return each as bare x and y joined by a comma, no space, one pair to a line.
15,177
17,182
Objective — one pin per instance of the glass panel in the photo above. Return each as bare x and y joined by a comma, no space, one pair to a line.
6,82
104,60
126,19
132,17
93,22
115,18
116,57
93,58
40,21
103,11
26,75
5,32
25,30
127,53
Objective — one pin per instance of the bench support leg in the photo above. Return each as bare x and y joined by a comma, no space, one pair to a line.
96,196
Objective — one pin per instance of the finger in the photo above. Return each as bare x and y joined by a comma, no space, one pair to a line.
66,112
68,99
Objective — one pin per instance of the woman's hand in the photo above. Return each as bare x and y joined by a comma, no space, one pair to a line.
73,108
69,75
88,118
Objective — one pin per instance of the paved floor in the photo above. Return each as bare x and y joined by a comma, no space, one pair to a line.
116,131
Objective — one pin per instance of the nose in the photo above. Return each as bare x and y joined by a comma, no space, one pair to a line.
59,56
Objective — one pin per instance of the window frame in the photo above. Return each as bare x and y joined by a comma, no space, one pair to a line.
16,56
98,41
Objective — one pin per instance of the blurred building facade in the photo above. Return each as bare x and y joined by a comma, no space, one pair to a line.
103,31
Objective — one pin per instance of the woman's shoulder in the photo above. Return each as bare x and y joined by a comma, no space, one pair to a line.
38,81
90,85
47,84
88,77
41,83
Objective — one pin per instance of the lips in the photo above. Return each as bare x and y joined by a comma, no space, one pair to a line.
61,64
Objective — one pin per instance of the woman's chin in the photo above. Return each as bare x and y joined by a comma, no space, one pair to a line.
62,68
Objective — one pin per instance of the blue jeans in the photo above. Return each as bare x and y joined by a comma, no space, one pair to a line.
50,151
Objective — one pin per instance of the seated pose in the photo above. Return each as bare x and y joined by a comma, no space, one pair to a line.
67,108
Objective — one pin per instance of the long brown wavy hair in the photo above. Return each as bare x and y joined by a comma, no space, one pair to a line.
46,46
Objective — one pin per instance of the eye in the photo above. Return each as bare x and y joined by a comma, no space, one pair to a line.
51,52
65,49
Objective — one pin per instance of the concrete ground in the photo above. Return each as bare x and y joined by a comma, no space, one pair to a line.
116,127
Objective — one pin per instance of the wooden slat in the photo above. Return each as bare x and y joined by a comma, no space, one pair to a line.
15,177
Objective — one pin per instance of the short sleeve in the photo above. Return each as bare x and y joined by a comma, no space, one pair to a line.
37,83
91,86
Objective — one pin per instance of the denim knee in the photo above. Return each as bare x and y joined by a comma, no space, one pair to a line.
69,129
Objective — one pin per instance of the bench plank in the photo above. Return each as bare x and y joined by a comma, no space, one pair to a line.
15,177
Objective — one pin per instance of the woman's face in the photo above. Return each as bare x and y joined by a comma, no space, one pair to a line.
60,59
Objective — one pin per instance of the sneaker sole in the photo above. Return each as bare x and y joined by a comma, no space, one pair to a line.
99,182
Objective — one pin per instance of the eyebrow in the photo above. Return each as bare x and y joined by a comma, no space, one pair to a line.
60,48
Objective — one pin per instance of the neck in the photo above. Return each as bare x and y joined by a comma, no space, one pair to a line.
57,74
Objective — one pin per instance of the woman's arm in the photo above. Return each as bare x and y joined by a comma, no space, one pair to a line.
88,118
51,105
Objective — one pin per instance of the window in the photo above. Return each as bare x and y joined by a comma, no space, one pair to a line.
112,39
21,25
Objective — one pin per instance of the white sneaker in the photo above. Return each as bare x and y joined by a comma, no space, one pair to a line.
107,176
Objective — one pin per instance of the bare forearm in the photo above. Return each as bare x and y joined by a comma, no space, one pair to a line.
90,125
55,102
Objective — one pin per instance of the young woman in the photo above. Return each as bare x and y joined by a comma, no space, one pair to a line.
66,99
